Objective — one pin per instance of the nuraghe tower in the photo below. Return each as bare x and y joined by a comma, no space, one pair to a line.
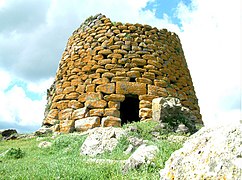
110,72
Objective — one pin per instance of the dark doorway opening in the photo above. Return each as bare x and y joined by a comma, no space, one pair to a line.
129,109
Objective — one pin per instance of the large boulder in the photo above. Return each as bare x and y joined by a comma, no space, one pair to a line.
45,144
211,153
8,134
101,139
170,111
144,154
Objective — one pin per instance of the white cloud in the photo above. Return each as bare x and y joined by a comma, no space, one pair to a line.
211,42
41,86
17,108
5,80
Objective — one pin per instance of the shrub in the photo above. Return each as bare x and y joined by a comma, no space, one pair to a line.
14,153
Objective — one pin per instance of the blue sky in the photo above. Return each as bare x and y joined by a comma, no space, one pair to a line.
33,35
167,7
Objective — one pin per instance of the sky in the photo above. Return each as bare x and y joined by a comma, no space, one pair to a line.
33,36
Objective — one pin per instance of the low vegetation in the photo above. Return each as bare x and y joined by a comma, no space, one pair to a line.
23,159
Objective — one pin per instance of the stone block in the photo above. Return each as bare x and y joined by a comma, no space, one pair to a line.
160,83
130,88
155,63
66,84
121,73
116,46
79,113
114,104
70,78
111,121
141,70
115,97
74,104
108,88
145,113
120,51
83,77
187,104
98,57
99,81
149,75
76,82
145,104
69,89
157,91
144,80
157,72
149,57
182,95
108,75
87,123
96,104
149,67
104,62
105,52
88,81
67,126
94,75
51,118
73,95
91,96
90,88
115,79
139,62
109,66
112,112
65,114
86,68
133,74
62,104
96,112
115,55
58,97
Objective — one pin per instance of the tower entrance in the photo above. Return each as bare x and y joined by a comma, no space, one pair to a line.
129,109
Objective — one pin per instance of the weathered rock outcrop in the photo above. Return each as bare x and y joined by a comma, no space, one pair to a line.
100,140
144,154
211,153
114,71
170,111
8,134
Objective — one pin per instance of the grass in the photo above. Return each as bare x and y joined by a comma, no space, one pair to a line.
63,160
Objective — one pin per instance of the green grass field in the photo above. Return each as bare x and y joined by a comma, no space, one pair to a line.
63,160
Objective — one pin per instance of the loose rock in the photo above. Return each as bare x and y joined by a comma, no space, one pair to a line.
145,154
100,140
211,153
44,144
6,133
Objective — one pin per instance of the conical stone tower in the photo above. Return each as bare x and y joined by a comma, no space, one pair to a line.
110,72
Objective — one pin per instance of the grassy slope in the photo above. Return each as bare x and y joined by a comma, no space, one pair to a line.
63,161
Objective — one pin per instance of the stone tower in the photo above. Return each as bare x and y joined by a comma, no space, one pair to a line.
110,72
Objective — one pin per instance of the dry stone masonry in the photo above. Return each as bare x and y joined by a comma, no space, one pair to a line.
110,72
